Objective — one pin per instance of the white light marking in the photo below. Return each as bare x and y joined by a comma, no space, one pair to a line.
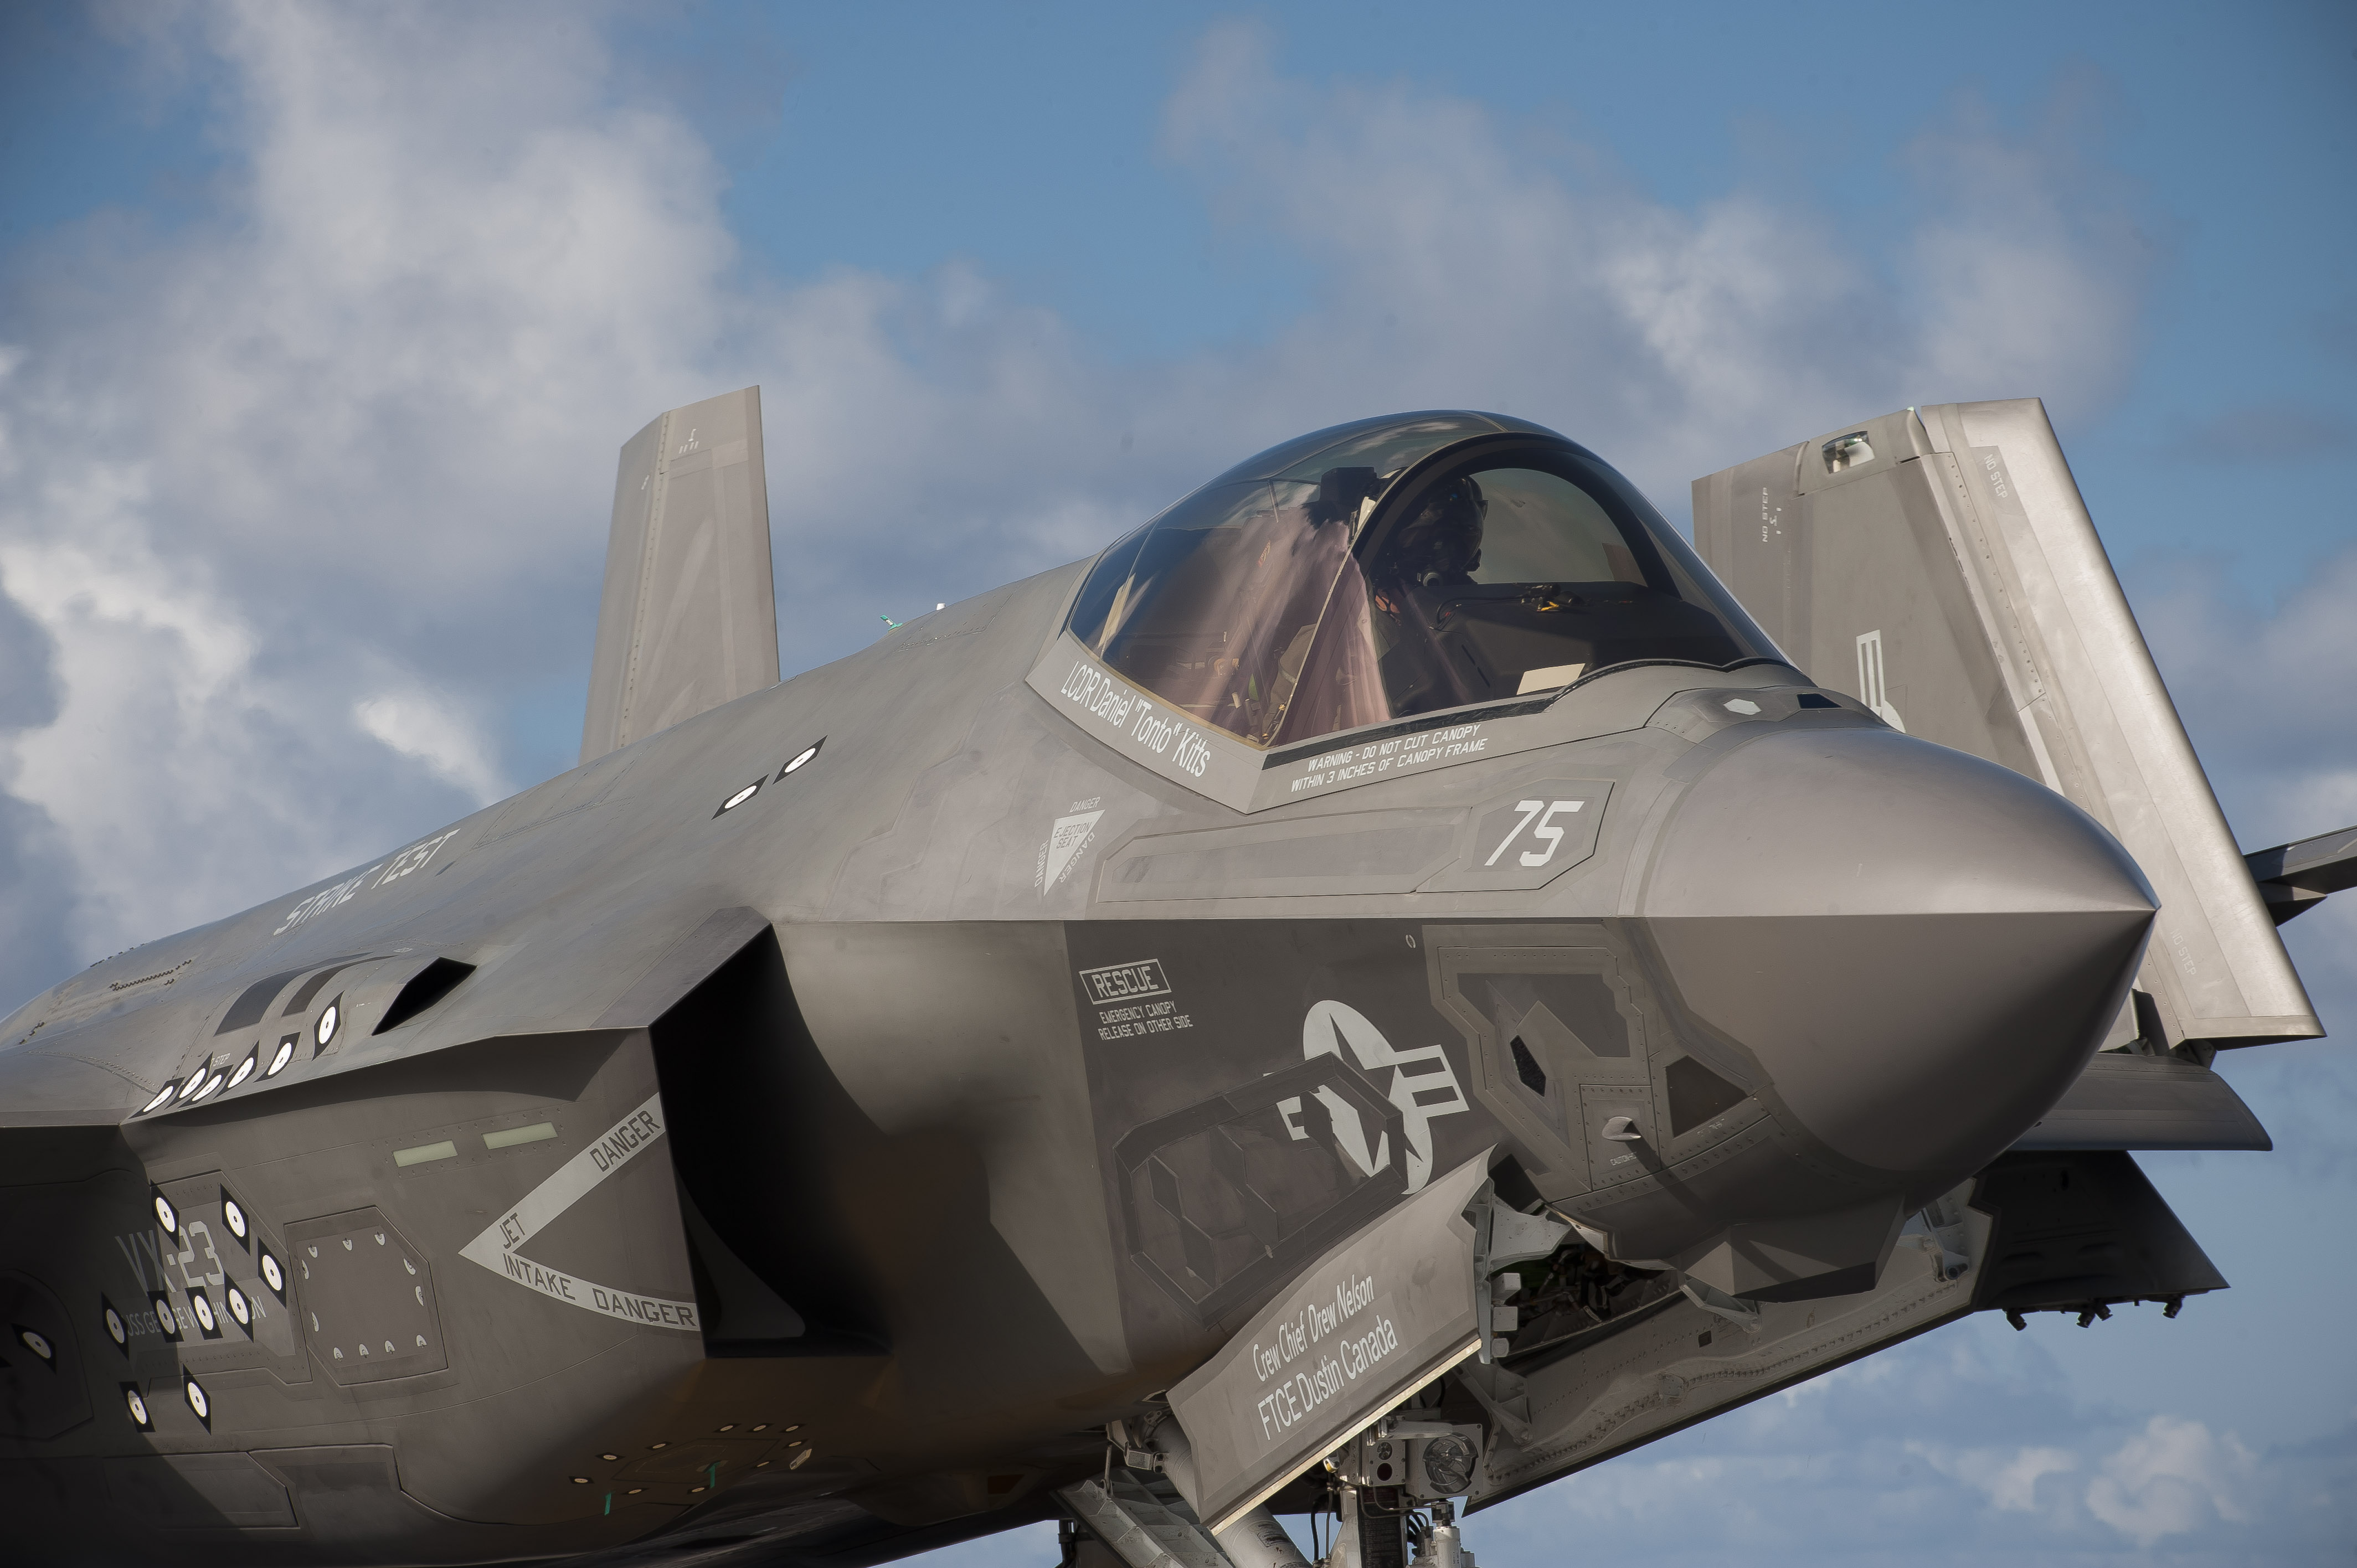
165,1215
1553,836
212,1086
496,1248
239,1309
37,1343
162,1095
1529,809
198,1402
1871,687
114,1330
234,1214
1740,705
328,1021
286,1054
204,1310
740,798
271,1274
798,761
197,1079
138,1406
245,1069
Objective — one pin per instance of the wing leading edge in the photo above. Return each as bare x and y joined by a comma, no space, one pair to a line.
1941,564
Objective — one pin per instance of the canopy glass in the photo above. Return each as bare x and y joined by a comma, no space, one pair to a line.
1397,567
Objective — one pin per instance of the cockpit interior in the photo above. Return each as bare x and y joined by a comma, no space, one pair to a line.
1400,566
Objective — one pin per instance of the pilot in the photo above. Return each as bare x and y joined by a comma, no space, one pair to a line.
1440,546
1430,554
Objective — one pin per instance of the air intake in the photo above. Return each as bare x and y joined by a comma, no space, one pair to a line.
426,987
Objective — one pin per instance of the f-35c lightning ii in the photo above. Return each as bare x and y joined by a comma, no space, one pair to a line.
1391,983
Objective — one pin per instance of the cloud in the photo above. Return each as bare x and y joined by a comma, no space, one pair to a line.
427,727
345,438
2261,687
2010,1479
1925,1460
271,476
153,671
295,497
2029,266
1462,260
2170,1479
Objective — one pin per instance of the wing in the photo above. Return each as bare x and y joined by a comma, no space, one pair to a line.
688,620
2295,877
1939,564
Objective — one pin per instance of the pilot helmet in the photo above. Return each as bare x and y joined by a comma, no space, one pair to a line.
1441,542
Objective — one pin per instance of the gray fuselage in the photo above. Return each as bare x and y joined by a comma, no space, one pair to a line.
862,1148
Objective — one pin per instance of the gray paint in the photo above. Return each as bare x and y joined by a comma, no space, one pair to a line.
688,620
1371,1321
1955,578
2132,1101
2295,877
1002,1069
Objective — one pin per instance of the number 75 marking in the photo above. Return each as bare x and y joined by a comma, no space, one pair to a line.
1546,830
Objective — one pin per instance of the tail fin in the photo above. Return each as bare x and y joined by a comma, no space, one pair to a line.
688,620
1941,564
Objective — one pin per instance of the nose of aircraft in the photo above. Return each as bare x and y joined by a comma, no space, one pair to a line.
1921,949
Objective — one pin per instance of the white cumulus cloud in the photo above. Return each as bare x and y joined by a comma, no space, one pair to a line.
2172,1477
348,438
427,727
2009,1476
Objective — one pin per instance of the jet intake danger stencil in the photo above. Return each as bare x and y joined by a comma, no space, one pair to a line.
497,1248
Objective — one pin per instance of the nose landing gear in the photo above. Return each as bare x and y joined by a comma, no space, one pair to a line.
1395,1489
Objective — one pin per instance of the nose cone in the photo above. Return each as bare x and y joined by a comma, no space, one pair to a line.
1921,949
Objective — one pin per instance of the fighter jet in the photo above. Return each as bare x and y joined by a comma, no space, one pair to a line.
1398,981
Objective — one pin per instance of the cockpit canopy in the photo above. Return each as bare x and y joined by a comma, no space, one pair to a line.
1398,566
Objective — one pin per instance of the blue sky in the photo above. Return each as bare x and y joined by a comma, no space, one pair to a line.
319,328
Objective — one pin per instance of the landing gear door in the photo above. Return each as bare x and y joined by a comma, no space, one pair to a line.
1386,1311
1939,564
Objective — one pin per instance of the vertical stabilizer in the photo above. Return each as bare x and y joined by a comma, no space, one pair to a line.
1940,564
688,620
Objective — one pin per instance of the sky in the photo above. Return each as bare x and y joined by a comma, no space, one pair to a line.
321,328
